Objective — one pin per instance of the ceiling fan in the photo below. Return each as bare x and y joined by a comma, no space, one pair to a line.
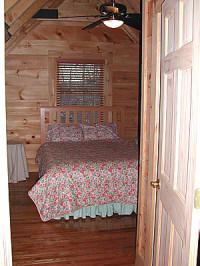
112,15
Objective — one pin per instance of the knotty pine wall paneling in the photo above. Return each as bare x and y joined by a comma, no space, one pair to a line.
28,75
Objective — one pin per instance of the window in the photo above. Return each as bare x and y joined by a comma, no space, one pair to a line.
80,83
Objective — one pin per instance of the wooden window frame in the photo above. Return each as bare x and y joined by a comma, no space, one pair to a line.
80,64
53,56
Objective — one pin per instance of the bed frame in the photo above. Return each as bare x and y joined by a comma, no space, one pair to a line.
79,114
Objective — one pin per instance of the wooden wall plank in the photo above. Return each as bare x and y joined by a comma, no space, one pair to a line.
124,76
78,8
26,62
28,76
63,31
134,5
41,47
132,33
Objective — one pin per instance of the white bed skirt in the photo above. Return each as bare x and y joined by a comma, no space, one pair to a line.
102,210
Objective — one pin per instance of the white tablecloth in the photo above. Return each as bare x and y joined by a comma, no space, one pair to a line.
17,164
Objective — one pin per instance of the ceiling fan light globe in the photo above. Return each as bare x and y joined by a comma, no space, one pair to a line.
113,23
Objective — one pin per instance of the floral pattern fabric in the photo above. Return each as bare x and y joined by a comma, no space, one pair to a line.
75,175
60,133
106,131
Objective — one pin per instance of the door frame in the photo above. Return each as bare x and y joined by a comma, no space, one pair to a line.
5,234
150,96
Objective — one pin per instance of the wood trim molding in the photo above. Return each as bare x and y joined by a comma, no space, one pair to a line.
154,131
195,76
51,80
5,235
144,137
108,79
54,55
158,5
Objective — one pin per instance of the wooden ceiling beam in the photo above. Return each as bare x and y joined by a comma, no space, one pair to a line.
27,15
8,4
26,23
20,34
132,33
55,3
19,9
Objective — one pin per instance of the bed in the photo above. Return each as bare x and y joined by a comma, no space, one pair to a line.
86,167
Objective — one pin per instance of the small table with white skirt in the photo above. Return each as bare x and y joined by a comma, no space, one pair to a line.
17,163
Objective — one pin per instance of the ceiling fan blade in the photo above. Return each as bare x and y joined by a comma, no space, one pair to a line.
94,24
53,14
133,20
90,16
46,14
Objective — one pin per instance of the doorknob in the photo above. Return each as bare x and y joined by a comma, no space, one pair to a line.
156,184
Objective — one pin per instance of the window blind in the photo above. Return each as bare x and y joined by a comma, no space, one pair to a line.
80,83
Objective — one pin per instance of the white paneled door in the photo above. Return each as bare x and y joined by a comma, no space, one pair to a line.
178,136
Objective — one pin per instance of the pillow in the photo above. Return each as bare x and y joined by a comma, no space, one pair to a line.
62,133
112,126
89,132
104,131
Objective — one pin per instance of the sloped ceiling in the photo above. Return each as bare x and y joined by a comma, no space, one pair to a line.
18,15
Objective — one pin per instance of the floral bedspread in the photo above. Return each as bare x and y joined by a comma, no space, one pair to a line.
80,174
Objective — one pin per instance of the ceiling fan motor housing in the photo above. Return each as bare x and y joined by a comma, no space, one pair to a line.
110,9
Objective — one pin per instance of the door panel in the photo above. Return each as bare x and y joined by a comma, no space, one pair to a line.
187,19
173,219
180,184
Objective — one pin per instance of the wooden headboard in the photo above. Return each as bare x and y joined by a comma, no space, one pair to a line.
79,114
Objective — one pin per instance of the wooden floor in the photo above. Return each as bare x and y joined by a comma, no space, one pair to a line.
99,241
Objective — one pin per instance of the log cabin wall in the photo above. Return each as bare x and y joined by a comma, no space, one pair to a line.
30,74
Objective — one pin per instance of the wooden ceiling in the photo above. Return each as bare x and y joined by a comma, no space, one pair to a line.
19,21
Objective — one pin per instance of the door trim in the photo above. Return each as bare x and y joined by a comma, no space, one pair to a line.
151,38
